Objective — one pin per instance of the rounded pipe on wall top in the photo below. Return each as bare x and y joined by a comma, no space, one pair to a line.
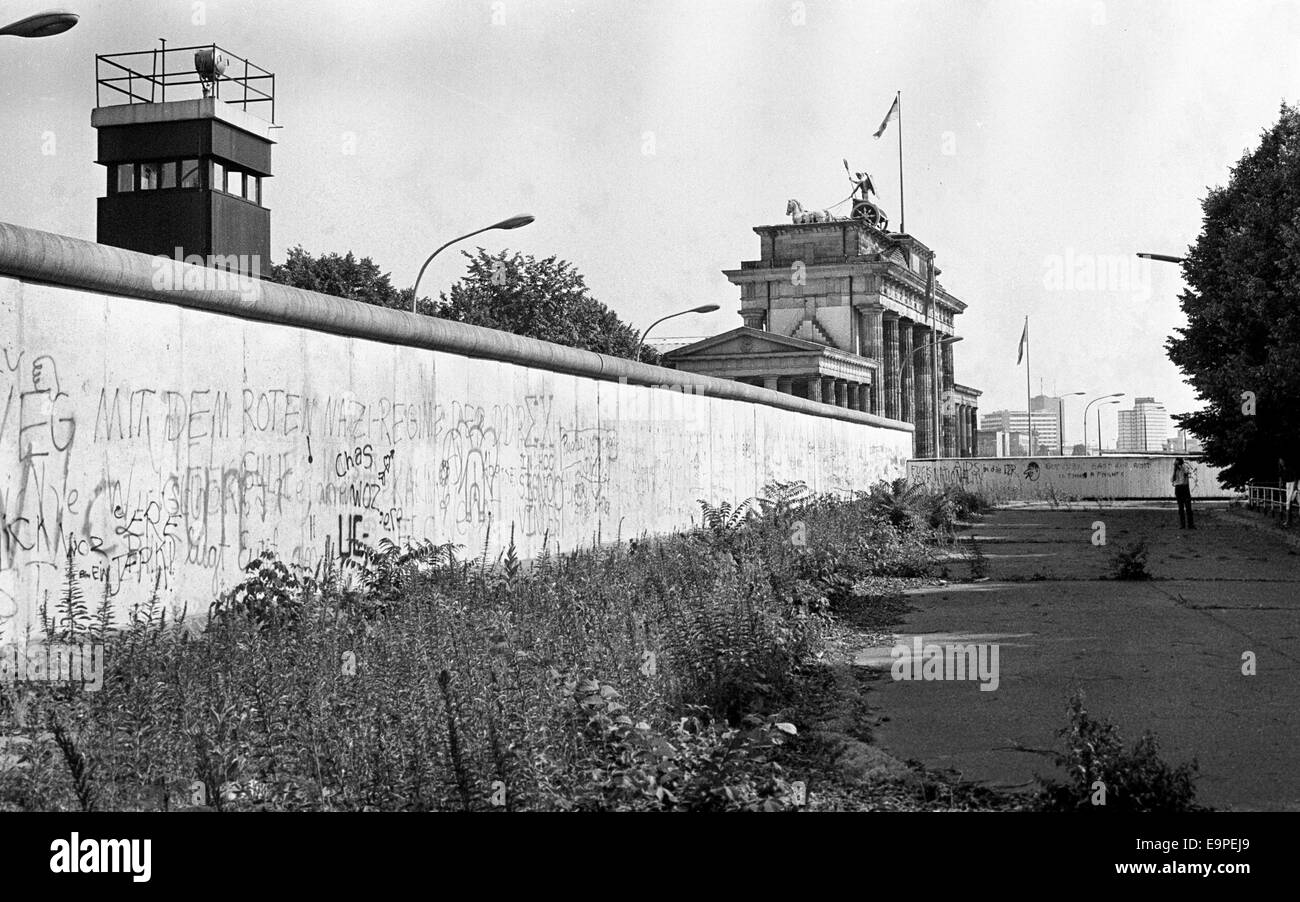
75,263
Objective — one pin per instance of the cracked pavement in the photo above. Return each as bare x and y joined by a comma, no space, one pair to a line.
1162,655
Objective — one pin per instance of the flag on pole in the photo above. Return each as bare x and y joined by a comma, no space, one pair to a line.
889,117
1024,337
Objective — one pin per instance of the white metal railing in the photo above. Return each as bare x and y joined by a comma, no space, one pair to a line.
1265,497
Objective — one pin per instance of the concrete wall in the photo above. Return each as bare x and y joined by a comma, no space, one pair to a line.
1002,479
164,444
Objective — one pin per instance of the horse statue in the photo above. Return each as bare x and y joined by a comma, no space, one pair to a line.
799,216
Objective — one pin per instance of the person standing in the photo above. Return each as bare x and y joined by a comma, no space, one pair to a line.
1183,494
1290,481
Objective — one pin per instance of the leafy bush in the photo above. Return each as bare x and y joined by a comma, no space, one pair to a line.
271,596
1137,780
966,504
908,507
724,517
887,553
781,498
693,764
377,576
896,503
1130,561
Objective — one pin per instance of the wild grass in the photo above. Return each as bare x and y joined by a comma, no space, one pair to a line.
647,675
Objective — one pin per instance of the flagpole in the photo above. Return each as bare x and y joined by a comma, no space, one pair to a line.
902,210
1029,407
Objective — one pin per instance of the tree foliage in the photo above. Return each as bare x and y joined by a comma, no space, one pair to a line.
344,276
546,299
1241,347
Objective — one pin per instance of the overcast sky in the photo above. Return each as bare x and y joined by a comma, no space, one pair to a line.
1040,140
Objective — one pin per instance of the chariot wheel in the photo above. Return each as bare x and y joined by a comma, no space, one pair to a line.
869,213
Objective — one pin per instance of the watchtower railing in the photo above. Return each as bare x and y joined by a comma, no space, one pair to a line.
144,76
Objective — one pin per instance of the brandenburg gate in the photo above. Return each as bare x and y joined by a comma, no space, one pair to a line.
843,312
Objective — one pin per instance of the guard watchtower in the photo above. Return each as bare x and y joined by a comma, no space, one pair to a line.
185,136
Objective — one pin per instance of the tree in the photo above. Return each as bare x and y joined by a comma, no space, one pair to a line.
342,275
546,299
1241,347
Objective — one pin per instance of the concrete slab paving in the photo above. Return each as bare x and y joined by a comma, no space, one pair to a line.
1162,655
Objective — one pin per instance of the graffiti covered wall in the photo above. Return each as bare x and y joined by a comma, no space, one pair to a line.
1002,479
146,444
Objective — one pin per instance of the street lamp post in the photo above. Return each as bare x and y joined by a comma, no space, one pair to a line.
934,376
1086,408
1060,423
513,222
1163,258
703,308
1099,407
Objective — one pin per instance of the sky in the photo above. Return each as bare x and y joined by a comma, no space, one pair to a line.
1044,143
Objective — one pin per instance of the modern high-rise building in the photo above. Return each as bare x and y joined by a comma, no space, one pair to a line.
1144,428
1000,444
1046,425
1044,402
1052,405
1183,442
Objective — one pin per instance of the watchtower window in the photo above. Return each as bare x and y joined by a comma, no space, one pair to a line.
156,175
160,175
150,176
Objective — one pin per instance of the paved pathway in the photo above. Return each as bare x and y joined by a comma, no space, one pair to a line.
1164,655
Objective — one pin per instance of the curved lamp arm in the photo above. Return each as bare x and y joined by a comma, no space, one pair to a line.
704,308
512,223
1088,407
1060,421
41,25
951,339
1163,258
